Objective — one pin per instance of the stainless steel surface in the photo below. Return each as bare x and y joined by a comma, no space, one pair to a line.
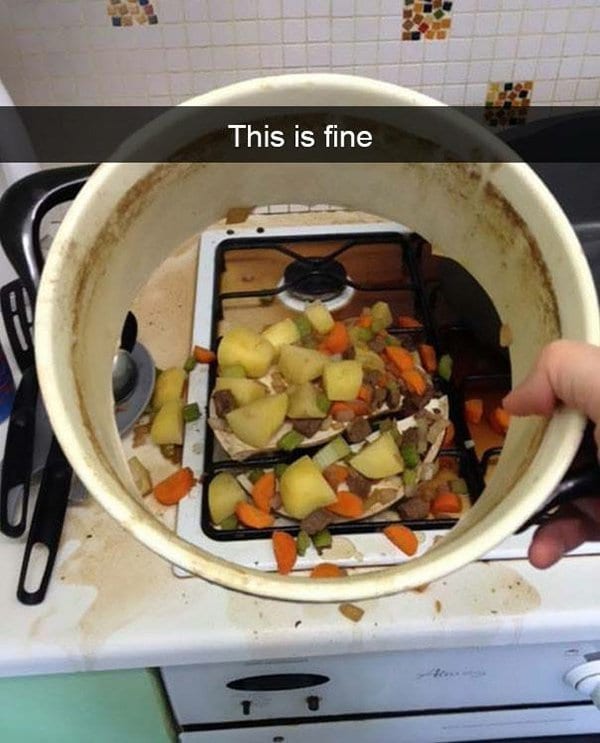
124,375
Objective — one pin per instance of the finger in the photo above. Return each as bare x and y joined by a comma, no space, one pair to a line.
567,372
559,536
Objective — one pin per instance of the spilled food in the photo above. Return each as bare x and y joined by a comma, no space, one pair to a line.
346,418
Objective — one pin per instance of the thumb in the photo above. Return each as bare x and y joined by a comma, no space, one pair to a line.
567,372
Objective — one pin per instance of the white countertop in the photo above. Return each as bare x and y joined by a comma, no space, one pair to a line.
114,604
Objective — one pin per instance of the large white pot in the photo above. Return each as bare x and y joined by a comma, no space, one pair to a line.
499,222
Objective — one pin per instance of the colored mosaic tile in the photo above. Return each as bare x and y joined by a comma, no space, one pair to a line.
125,13
507,103
426,19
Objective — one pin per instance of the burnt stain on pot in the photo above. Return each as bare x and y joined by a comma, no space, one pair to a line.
127,210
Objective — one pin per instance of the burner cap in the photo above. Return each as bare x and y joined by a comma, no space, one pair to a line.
315,278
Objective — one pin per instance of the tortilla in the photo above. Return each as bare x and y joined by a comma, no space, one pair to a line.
239,450
437,406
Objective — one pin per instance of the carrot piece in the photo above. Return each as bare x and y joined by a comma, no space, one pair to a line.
365,394
449,435
474,410
405,321
403,538
414,381
263,491
253,517
400,357
365,321
204,355
327,570
335,475
358,407
175,487
445,502
338,340
428,358
284,548
348,505
499,420
323,348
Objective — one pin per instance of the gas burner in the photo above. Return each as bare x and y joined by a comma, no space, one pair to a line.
315,278
308,279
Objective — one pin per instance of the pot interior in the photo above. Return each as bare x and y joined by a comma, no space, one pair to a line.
497,221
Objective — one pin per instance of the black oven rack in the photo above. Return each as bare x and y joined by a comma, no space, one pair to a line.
411,248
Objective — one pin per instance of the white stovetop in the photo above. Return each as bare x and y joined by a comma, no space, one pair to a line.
114,604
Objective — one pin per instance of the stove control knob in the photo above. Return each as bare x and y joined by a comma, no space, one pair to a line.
586,679
313,703
245,707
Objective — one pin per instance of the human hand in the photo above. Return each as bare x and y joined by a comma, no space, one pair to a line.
566,372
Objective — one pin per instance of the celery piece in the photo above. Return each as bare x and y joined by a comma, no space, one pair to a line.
280,468
302,543
290,441
409,477
321,540
364,335
229,523
445,367
191,412
323,402
331,453
255,475
410,455
190,364
459,486
233,372
303,324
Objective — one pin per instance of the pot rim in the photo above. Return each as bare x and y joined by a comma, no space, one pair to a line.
564,429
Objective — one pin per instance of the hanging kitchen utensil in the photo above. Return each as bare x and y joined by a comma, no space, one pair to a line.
22,208
18,451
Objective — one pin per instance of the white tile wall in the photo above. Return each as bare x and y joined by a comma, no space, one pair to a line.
67,52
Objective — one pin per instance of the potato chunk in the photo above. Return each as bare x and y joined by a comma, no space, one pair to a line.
167,426
299,365
169,386
224,493
304,489
256,423
282,333
248,349
319,317
378,459
304,402
342,379
244,390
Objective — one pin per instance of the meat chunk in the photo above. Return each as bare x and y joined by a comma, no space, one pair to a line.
413,509
371,376
306,426
358,430
379,397
358,484
393,397
224,402
316,521
411,436
349,353
377,344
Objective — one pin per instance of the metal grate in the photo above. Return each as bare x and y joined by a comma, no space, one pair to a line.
411,249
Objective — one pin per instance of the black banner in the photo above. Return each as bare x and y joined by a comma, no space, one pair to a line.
90,134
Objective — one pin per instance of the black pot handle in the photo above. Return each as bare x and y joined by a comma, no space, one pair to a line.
22,207
582,480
